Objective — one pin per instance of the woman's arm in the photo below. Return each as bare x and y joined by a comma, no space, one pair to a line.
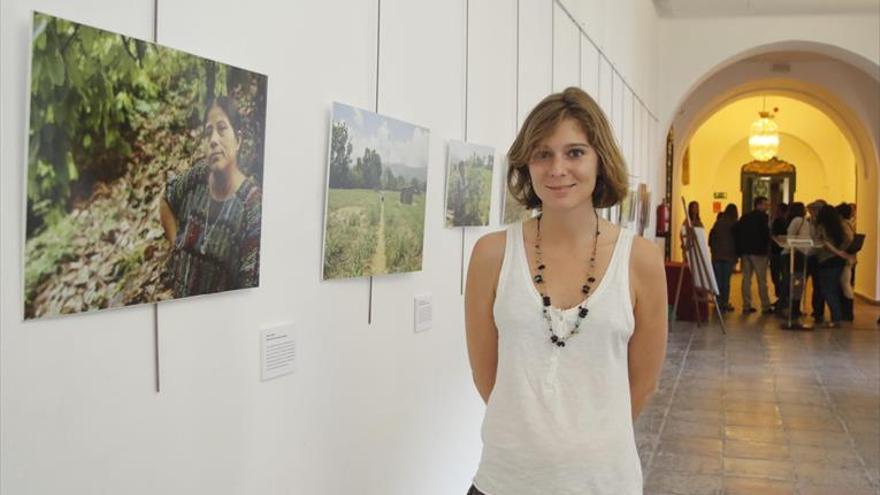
168,221
647,346
479,298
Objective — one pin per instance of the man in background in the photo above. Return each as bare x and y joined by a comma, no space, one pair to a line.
752,236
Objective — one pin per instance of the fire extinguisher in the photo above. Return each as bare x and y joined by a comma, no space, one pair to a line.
662,219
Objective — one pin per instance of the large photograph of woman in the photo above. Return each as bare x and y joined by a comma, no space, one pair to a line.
145,171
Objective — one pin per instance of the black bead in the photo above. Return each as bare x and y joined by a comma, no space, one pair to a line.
560,343
546,300
539,279
591,279
585,289
554,339
541,267
583,312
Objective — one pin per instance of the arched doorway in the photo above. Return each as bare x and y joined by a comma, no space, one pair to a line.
842,90
773,179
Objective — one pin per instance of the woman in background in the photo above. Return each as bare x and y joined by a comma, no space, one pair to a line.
846,277
833,239
211,214
723,249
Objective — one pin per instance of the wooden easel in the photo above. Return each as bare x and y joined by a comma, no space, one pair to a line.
702,280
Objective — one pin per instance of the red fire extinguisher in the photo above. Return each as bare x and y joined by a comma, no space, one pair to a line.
662,219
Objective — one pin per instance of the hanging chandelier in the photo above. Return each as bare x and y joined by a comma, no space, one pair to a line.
764,137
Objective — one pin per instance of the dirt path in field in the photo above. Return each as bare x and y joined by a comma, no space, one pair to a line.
378,264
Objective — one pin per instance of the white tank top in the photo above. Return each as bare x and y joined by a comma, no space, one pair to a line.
559,420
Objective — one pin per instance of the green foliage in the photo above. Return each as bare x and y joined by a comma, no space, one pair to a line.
90,92
45,254
469,192
368,171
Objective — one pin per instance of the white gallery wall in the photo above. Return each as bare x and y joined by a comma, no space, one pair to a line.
372,408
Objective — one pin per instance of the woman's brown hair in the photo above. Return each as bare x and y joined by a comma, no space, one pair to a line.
612,179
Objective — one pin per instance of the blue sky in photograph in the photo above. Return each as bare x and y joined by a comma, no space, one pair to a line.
398,142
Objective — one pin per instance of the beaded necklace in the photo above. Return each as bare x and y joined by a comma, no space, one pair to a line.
585,289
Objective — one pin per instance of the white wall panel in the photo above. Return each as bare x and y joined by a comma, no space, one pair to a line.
627,124
535,53
566,50
65,382
371,409
491,100
606,87
589,68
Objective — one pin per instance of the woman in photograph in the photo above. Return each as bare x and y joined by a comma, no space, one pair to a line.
565,316
696,221
211,214
723,249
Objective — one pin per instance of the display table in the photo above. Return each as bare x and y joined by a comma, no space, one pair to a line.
686,310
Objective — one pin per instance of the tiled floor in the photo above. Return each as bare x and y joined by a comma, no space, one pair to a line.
766,411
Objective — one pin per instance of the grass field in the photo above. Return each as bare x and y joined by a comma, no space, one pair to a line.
351,238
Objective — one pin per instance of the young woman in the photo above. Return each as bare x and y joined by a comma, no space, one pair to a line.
565,316
723,249
211,214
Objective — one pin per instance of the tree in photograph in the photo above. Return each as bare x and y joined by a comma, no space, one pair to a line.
340,156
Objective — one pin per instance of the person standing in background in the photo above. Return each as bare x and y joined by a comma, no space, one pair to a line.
847,276
723,248
817,300
752,235
777,228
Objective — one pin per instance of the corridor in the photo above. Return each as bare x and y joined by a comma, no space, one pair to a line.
765,411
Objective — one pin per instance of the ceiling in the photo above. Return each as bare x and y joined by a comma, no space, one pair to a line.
723,8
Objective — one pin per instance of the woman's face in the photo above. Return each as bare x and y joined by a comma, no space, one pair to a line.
221,141
563,168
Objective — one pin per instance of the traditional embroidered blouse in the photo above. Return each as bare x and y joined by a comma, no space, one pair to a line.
217,247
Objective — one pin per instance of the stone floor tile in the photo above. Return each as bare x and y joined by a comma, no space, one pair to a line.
805,488
682,484
690,445
748,418
756,450
694,429
683,463
829,456
755,434
838,477
759,468
755,486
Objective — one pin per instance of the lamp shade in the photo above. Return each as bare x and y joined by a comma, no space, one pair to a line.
764,137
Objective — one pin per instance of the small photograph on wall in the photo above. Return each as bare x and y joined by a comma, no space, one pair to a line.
644,208
377,175
144,173
512,211
469,172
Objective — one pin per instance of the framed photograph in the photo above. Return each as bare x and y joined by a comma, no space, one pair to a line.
374,217
144,172
469,172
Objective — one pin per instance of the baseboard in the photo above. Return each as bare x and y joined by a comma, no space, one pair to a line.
866,299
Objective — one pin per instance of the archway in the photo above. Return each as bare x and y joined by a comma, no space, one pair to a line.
836,83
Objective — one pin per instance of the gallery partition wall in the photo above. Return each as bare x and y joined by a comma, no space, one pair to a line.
114,380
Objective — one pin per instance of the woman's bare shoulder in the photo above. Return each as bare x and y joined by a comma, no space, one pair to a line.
646,260
489,249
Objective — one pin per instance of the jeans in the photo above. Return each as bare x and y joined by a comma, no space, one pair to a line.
757,264
776,268
723,269
829,282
